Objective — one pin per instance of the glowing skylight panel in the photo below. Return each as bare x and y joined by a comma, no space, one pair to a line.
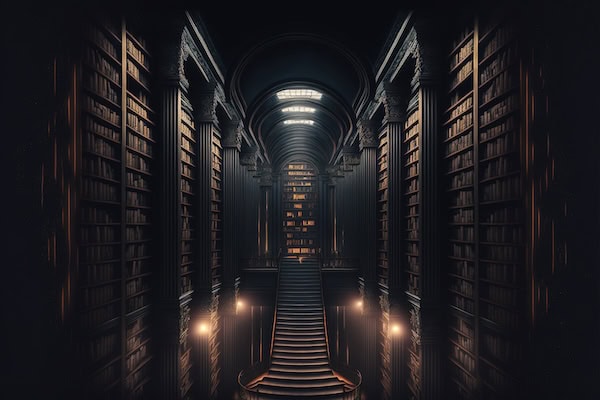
301,109
299,94
298,122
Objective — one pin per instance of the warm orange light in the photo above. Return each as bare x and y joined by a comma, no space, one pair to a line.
202,329
359,303
397,330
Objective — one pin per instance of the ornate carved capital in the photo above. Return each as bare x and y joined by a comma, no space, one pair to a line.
206,109
266,176
366,134
249,158
232,134
394,105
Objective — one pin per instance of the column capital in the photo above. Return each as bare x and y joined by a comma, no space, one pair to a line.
206,101
394,103
249,158
232,134
366,134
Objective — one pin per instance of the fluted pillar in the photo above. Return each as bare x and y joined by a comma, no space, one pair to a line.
426,81
231,142
394,103
264,210
367,195
204,104
167,302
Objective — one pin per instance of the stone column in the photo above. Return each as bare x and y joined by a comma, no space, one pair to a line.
231,141
367,196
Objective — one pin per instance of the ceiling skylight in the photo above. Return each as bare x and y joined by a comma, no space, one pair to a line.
299,109
299,94
298,121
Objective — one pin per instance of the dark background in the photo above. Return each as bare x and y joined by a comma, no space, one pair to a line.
27,323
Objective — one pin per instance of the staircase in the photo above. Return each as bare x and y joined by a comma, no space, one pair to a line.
300,365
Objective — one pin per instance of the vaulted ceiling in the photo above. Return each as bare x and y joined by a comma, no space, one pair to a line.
331,52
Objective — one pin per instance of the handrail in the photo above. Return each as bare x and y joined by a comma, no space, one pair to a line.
276,306
324,314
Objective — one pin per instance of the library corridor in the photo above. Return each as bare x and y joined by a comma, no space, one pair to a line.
359,204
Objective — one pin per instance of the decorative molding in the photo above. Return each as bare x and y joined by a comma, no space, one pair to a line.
394,105
366,134
184,323
249,158
232,134
207,106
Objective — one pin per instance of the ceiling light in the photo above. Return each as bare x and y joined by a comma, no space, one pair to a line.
299,94
299,109
298,121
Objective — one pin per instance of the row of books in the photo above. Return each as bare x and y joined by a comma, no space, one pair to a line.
499,347
95,58
462,268
500,315
501,109
505,189
464,72
97,215
460,143
99,233
138,199
137,302
500,273
137,162
503,215
502,234
134,71
137,250
501,253
137,180
102,346
465,342
462,357
462,250
136,107
94,317
99,295
459,125
412,284
106,376
101,40
101,86
140,145
462,302
464,52
133,233
462,233
101,272
462,198
462,286
500,145
140,125
506,125
503,35
501,83
138,55
499,167
500,62
100,191
101,167
138,267
138,216
499,294
136,339
461,216
464,178
93,126
96,144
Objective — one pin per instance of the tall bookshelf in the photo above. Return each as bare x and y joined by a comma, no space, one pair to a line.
484,177
216,245
188,176
382,208
411,139
300,209
459,149
115,229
